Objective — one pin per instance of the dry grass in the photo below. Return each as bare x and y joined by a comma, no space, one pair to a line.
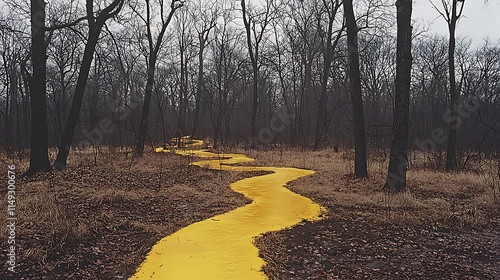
100,220
454,199
114,195
44,208
41,215
444,227
108,193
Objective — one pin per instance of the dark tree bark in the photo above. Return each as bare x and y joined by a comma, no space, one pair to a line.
184,43
10,101
182,97
452,17
254,54
202,39
95,27
249,22
39,156
329,46
360,168
143,126
398,164
154,49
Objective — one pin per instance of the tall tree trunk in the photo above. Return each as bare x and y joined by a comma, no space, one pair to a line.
10,99
180,115
26,104
199,87
154,49
306,91
95,27
143,125
360,168
76,105
398,163
183,93
39,156
253,51
255,106
451,156
329,46
320,116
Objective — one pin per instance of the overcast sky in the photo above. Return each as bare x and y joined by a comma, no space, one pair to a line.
479,20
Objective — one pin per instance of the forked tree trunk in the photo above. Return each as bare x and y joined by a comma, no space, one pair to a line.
398,164
329,46
253,51
154,49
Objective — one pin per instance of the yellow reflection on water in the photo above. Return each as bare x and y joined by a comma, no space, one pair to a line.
222,247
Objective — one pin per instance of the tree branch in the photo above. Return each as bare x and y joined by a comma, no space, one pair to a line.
65,25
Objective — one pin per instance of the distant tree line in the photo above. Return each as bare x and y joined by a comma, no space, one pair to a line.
223,69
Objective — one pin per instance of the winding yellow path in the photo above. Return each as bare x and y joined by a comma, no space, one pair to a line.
222,247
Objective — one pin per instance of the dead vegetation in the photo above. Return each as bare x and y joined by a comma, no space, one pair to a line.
99,218
432,196
444,227
99,221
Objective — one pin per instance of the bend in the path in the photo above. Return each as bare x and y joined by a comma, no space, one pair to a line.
222,247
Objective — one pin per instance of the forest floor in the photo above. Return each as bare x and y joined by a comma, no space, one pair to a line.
446,226
99,218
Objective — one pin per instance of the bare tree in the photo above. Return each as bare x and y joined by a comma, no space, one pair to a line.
398,163
185,41
331,8
377,63
39,157
154,46
255,27
205,22
64,51
360,168
452,11
215,77
430,74
225,70
95,24
303,41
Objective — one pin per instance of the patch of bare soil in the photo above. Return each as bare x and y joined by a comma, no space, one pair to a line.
99,222
447,226
350,247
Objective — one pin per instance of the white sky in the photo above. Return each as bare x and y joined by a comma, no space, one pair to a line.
479,20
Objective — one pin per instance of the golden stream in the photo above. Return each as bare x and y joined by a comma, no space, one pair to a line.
222,247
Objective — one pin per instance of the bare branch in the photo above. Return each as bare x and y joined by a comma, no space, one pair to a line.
65,25
446,17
